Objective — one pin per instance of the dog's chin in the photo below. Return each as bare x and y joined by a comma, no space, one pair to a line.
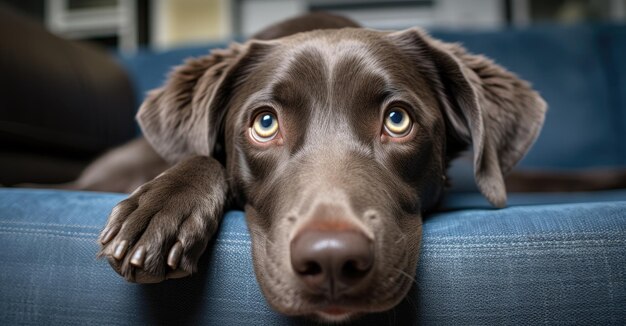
339,311
334,315
331,313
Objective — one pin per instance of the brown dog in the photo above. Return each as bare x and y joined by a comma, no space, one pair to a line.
335,142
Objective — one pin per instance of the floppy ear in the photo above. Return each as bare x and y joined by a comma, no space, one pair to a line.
484,104
183,117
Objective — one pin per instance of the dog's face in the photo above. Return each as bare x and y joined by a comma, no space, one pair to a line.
335,146
337,141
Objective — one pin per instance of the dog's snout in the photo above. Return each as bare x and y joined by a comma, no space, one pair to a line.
331,262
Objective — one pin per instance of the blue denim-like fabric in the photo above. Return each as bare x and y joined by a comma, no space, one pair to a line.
614,41
148,69
569,67
526,264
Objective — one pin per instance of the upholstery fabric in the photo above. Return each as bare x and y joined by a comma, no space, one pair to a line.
148,69
525,264
614,40
567,67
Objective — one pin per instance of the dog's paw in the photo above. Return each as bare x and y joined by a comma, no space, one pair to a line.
159,231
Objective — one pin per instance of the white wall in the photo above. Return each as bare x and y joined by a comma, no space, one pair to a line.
256,14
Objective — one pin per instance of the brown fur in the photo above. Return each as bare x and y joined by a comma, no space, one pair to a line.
329,89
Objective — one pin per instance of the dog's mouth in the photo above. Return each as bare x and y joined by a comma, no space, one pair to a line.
345,309
342,311
334,313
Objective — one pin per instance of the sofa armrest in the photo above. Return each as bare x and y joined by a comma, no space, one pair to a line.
526,264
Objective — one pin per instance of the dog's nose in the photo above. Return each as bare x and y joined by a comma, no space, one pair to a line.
331,262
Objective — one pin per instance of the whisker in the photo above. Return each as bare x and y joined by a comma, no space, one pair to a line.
262,236
401,239
413,281
408,299
403,273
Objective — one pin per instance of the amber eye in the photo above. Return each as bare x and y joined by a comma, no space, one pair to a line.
397,122
265,127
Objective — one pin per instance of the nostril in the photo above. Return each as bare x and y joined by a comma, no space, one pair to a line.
310,268
353,269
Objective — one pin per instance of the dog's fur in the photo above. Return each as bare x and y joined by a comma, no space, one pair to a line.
333,164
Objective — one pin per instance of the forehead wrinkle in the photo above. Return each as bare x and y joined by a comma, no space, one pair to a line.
332,54
359,52
326,55
299,78
349,61
332,51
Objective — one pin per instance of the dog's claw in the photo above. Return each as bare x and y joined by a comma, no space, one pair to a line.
108,235
138,257
174,256
120,250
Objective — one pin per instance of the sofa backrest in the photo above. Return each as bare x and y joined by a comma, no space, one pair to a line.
572,70
149,69
613,38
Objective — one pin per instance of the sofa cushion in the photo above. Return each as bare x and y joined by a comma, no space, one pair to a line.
526,264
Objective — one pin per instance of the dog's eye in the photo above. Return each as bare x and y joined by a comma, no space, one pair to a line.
397,122
265,127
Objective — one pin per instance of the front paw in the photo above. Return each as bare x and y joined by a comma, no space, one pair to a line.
160,231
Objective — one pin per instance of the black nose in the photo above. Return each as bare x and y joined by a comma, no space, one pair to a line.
331,262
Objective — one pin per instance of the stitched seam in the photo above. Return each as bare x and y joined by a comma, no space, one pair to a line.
80,236
233,241
49,235
491,253
51,224
238,233
538,235
562,243
48,231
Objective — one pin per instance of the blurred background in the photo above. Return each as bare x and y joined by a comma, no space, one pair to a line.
163,24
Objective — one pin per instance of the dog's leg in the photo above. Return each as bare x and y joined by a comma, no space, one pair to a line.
160,231
122,169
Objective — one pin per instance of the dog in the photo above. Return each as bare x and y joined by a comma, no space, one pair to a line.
335,139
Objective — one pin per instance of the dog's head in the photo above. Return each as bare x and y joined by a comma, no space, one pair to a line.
337,141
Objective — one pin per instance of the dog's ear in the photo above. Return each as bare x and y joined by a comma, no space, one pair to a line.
183,117
484,104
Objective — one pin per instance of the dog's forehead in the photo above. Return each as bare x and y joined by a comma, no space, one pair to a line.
334,51
327,67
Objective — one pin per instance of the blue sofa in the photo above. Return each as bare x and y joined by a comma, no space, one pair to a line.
546,258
